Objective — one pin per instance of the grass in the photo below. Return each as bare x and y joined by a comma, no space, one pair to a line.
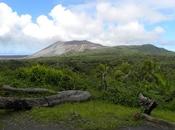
164,114
93,115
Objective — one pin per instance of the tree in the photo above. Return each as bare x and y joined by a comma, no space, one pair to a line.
122,72
102,72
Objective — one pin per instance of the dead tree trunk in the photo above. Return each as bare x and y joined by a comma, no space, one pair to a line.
28,103
8,88
147,104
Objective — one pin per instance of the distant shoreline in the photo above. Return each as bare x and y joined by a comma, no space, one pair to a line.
5,57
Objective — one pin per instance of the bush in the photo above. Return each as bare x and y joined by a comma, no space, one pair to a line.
126,81
120,94
62,79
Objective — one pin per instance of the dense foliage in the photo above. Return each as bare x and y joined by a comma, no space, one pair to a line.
125,82
61,79
43,76
108,76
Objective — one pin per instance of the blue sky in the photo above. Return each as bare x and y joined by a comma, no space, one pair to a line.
37,7
30,25
170,30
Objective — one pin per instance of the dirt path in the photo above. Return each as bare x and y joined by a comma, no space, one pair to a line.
33,126
18,121
21,122
145,127
30,125
57,127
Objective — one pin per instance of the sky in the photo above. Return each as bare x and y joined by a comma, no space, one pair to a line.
27,26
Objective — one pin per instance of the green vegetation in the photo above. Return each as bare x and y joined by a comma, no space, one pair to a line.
92,115
59,79
112,75
164,114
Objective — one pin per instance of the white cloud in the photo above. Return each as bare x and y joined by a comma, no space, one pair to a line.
64,23
130,33
111,23
129,11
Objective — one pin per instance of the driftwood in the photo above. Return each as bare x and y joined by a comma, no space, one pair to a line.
8,88
28,103
159,122
147,103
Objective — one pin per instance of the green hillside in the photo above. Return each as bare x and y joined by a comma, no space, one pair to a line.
85,61
128,70
127,50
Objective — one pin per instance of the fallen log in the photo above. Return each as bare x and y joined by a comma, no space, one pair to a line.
159,122
8,88
27,103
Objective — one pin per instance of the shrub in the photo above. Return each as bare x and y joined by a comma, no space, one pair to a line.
126,81
39,75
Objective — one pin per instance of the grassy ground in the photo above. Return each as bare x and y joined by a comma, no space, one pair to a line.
92,115
95,115
164,114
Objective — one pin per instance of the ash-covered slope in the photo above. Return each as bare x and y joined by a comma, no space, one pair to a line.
60,48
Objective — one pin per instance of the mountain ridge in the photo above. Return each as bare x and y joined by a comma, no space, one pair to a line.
75,47
59,48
